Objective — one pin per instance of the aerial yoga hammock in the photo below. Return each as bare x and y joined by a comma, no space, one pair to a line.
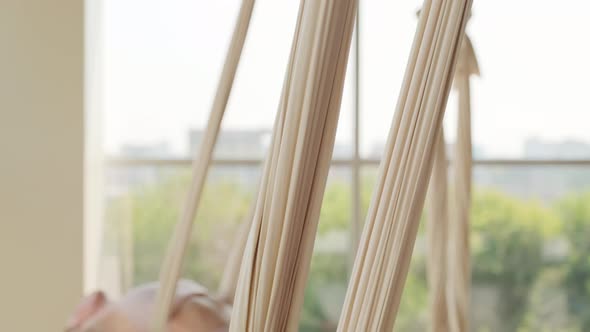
277,255
276,259
383,258
425,92
447,228
448,271
279,244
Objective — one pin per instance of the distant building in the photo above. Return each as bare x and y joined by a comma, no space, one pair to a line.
158,150
234,144
535,148
241,144
122,179
546,183
246,144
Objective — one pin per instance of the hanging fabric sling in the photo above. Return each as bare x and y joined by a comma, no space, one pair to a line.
173,261
384,254
437,229
459,268
280,241
276,261
447,263
231,270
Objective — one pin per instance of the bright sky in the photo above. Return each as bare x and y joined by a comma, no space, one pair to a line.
162,60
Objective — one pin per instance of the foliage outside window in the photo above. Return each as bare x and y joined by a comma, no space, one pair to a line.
531,265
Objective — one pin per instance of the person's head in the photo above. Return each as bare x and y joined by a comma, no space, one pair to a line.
192,311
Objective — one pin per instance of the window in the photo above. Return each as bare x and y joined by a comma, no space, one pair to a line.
531,176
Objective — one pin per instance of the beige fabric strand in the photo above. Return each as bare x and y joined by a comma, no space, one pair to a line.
459,252
173,262
383,258
437,229
276,261
231,271
448,268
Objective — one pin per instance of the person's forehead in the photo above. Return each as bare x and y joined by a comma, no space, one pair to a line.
110,320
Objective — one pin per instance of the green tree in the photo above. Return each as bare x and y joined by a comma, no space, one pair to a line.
575,213
335,212
224,205
507,243
324,293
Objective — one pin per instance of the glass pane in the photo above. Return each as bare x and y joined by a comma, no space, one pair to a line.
387,30
160,71
162,64
533,75
530,251
160,67
536,90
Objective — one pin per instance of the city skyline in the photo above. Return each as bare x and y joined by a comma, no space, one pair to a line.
252,144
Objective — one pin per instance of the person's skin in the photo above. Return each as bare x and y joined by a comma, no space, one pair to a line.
194,310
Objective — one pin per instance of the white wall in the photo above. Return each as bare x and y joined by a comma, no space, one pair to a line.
41,162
